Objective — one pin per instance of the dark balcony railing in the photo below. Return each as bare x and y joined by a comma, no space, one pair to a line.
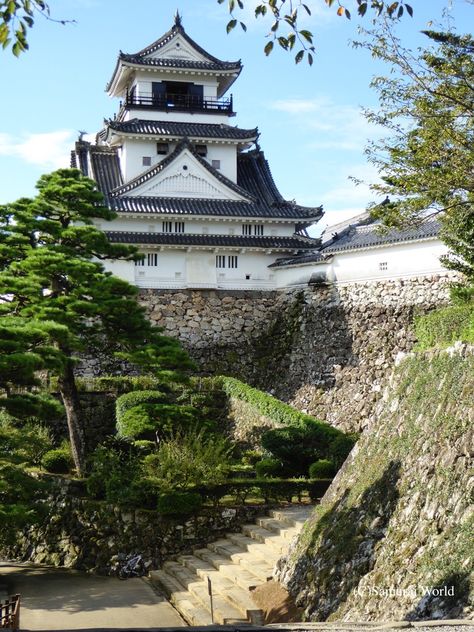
183,102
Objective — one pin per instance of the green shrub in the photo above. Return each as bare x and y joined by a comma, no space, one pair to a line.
179,503
322,469
299,446
269,468
141,414
113,472
192,458
144,492
57,461
251,457
445,326
135,398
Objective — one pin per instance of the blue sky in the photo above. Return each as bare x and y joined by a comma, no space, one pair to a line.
312,129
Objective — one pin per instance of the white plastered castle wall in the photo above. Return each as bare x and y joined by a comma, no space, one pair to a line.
391,261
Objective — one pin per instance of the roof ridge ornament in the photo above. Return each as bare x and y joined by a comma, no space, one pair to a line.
178,20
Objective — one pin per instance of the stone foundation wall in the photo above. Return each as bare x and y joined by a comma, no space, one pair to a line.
94,536
327,350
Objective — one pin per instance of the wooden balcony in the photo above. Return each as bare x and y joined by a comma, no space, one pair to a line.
180,103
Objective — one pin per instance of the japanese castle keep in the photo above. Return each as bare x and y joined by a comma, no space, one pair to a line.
192,192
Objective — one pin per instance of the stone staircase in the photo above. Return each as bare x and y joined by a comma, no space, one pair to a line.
235,565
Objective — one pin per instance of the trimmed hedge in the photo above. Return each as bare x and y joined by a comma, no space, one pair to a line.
267,489
135,398
445,326
267,405
322,469
57,461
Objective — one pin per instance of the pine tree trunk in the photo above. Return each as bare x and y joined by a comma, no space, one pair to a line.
72,406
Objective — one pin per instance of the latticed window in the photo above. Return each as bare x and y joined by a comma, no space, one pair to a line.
179,227
139,263
232,261
220,261
152,259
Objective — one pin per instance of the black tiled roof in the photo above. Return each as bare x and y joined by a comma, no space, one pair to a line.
255,183
192,130
214,241
176,29
105,168
179,63
180,147
311,257
99,162
371,235
212,63
208,208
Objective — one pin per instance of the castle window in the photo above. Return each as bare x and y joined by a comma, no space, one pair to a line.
201,150
146,161
167,227
216,164
179,227
232,261
140,262
252,229
152,259
383,265
162,149
220,261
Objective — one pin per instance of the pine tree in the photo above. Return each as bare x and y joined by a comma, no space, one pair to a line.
51,255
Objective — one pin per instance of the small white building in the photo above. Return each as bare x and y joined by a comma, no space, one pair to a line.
361,250
191,191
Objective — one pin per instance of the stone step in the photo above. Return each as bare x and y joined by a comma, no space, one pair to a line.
285,532
293,516
271,547
242,600
193,613
262,570
224,612
235,566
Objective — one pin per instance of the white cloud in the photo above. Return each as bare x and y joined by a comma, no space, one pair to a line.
50,150
338,125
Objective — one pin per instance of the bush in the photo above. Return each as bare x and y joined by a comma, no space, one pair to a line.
269,468
322,469
299,446
445,326
189,459
179,503
135,398
113,472
251,457
141,414
58,461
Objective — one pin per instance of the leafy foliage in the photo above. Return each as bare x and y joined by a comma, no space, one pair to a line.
287,14
427,161
179,503
58,460
299,446
20,448
269,468
322,469
445,326
188,459
50,254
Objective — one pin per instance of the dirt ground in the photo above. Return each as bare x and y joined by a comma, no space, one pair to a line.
276,603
